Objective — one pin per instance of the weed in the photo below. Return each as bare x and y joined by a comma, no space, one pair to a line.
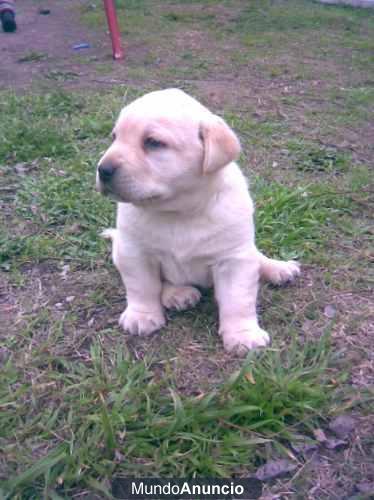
309,157
61,76
32,57
289,221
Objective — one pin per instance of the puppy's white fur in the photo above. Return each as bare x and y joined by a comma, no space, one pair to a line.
185,218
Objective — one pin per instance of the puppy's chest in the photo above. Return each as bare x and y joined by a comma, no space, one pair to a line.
186,256
189,240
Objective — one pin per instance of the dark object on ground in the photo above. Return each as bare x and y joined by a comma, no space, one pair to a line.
275,468
44,12
8,21
81,46
342,426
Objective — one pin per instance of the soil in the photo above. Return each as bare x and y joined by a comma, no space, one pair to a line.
41,50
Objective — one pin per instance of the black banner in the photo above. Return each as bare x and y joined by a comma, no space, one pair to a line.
186,489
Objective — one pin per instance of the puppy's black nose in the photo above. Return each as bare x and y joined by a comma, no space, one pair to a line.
106,171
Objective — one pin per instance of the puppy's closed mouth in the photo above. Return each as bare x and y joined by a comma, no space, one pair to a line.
146,199
105,190
140,199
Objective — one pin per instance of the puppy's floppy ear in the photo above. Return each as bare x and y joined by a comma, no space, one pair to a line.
221,146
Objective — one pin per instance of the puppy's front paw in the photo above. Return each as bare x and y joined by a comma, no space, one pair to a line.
141,323
240,342
282,271
288,271
180,297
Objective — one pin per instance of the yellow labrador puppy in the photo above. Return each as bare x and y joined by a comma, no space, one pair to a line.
185,218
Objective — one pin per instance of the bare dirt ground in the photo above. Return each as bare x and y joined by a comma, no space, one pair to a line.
41,52
40,56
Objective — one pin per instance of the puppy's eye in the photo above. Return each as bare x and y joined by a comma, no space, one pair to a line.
153,144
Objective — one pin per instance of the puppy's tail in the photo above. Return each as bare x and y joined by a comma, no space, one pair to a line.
109,234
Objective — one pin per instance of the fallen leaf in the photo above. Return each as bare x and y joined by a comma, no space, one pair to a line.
23,167
342,426
330,311
365,487
319,435
334,444
64,272
73,229
250,378
20,168
305,448
275,468
43,387
119,457
4,354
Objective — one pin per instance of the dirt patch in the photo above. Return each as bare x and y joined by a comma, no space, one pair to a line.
41,51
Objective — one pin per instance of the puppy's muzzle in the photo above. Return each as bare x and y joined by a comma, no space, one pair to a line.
106,172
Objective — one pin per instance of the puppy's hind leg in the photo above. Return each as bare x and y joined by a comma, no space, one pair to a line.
278,271
179,297
235,287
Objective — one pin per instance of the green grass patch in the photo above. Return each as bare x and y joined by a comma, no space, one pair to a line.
257,133
309,157
133,16
66,137
352,105
65,134
272,19
112,406
187,17
152,20
289,222
302,35
36,127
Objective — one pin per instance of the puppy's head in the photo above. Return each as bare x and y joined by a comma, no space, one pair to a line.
164,144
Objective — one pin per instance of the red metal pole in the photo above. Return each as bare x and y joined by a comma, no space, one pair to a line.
111,16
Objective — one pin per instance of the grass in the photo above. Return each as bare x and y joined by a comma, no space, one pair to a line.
32,57
111,416
72,419
66,215
82,404
265,24
289,221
